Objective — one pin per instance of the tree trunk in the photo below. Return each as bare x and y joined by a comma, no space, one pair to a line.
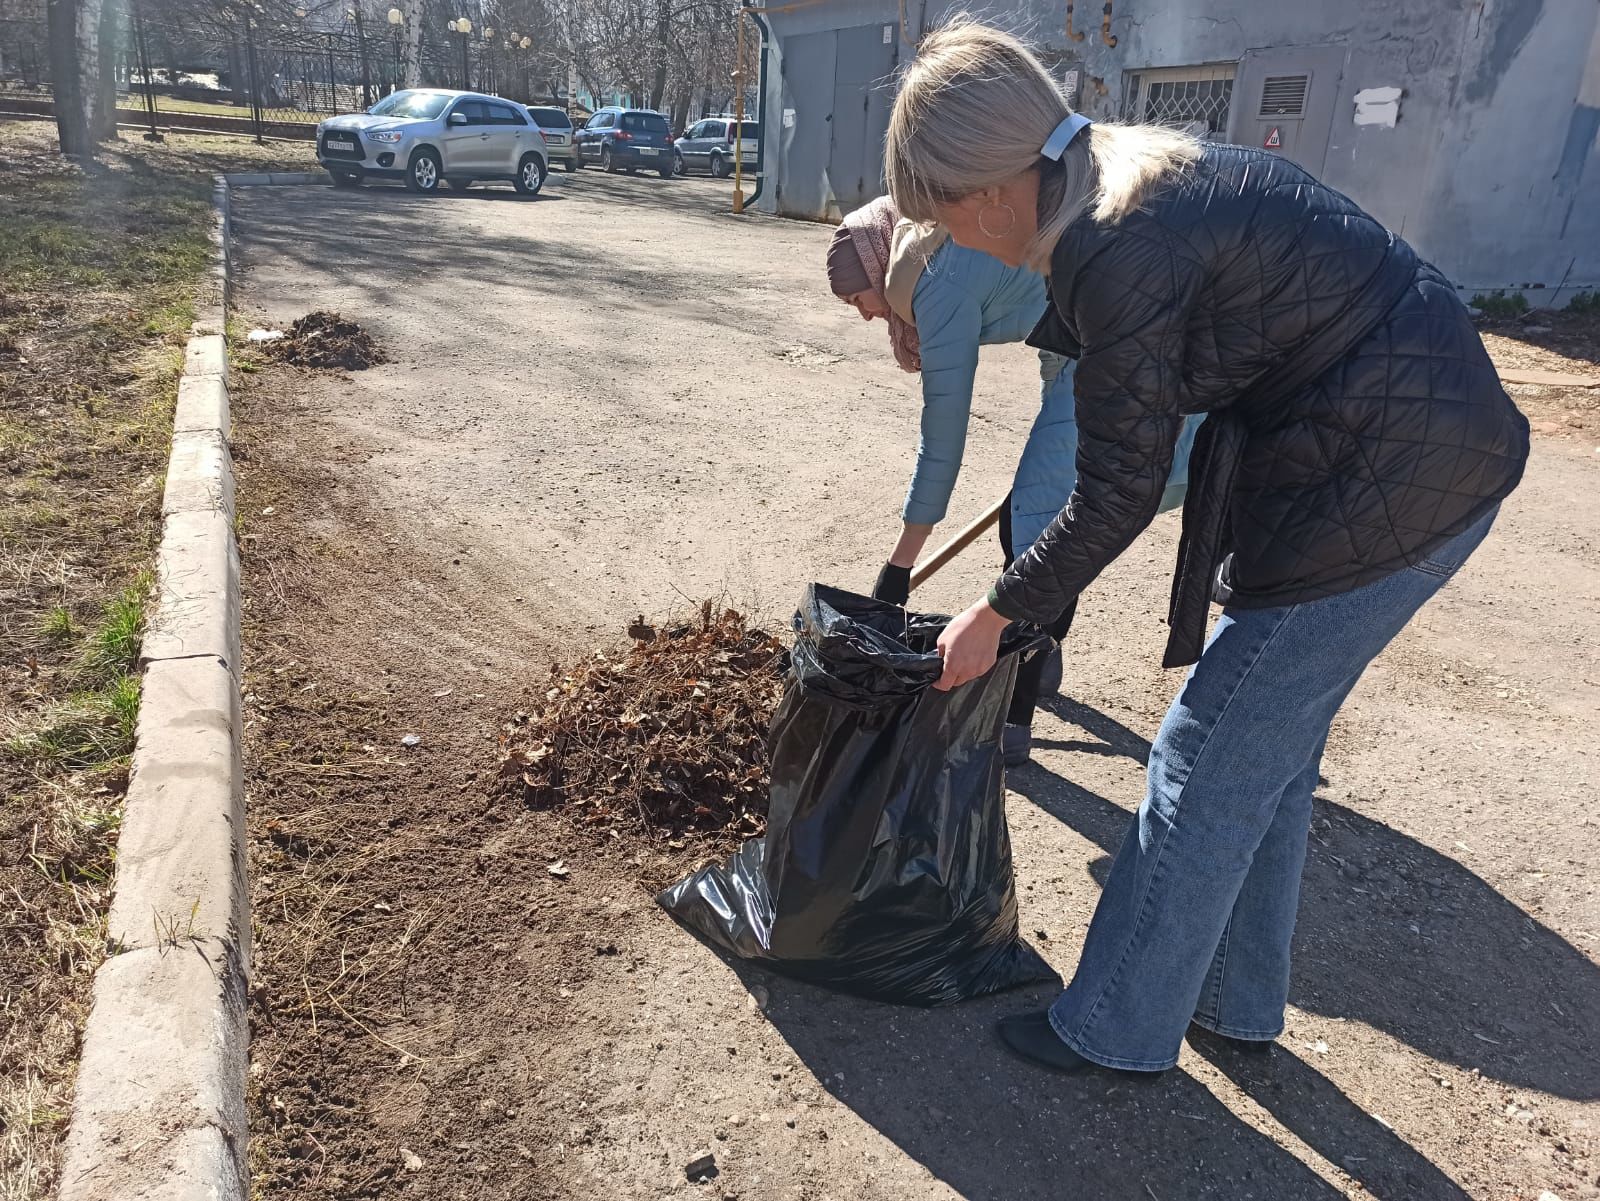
415,14
67,85
87,47
658,83
109,53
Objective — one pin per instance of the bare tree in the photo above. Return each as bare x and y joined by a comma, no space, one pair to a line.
74,33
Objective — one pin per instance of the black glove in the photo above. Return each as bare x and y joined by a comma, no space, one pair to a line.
894,585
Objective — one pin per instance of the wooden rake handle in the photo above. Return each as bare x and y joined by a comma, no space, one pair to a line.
923,571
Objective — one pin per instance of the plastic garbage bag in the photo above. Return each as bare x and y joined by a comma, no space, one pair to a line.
886,867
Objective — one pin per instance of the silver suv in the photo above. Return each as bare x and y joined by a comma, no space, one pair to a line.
429,136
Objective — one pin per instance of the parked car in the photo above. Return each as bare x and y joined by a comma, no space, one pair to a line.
429,136
708,146
626,139
558,134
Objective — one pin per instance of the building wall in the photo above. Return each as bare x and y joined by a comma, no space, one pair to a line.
1492,168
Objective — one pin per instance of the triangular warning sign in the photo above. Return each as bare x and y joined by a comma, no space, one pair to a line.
1274,140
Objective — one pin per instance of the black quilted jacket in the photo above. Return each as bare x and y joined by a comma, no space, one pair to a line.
1357,421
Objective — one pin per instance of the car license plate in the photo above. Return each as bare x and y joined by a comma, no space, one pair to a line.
341,143
648,150
555,139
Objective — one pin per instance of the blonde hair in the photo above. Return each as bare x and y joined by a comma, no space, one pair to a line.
973,110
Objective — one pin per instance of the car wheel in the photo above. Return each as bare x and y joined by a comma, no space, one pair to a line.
458,185
573,164
346,179
424,172
530,175
679,167
606,164
719,167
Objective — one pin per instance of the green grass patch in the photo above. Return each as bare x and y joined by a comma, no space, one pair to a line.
1585,304
1500,305
113,647
85,730
107,229
58,625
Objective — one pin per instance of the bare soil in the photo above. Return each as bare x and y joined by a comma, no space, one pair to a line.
576,429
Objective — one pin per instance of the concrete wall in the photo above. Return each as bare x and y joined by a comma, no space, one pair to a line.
1492,169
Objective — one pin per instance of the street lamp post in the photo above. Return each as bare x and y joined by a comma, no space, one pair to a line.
463,26
396,20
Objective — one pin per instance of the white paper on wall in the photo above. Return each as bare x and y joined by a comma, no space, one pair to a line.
1378,106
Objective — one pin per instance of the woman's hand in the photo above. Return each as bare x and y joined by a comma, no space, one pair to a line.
970,645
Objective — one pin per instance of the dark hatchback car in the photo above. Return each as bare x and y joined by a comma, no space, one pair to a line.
626,139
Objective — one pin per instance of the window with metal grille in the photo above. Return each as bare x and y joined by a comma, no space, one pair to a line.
1284,96
1196,99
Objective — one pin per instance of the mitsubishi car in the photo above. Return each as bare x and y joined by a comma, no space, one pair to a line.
431,136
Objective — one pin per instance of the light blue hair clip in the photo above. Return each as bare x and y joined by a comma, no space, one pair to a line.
1056,144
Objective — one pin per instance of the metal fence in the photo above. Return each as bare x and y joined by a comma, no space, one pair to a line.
240,73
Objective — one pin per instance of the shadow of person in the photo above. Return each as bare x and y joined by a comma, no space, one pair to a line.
937,1084
1322,1117
1396,935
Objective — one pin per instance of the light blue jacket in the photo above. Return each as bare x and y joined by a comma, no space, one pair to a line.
964,299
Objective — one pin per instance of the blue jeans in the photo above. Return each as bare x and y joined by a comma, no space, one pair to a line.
1197,915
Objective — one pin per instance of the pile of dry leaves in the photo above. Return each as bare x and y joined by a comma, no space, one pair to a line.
667,739
324,339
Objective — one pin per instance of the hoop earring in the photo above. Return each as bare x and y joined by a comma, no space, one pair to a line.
1010,212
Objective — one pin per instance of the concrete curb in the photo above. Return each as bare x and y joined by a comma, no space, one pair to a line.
159,1111
261,179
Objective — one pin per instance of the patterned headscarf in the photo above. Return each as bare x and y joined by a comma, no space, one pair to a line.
869,231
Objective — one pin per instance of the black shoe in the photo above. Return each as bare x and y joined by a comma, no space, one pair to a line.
1030,1036
1202,1039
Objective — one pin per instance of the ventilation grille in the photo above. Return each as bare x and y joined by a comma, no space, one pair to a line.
1284,96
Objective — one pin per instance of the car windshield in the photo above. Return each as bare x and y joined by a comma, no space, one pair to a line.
422,106
551,118
644,122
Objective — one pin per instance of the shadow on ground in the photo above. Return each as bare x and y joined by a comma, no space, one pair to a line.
1392,934
1400,937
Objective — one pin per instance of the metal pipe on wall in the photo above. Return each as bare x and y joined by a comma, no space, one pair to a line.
1106,36
1072,34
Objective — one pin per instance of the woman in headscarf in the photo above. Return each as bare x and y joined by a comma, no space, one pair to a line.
941,302
1357,449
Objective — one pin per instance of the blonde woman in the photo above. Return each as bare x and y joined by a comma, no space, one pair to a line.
1356,449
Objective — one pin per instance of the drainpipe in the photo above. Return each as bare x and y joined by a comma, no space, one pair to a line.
761,102
1072,33
1106,36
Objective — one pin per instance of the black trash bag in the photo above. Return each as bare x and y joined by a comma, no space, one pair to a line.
886,867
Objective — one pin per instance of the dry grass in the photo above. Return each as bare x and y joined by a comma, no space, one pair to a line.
98,269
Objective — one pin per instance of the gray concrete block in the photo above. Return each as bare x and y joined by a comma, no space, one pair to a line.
246,179
159,1107
202,406
197,591
205,356
181,867
199,475
299,177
